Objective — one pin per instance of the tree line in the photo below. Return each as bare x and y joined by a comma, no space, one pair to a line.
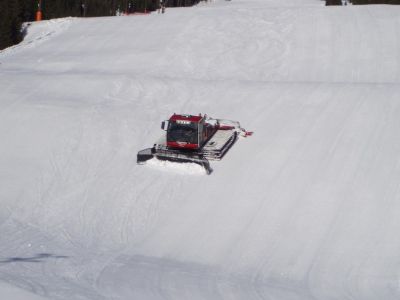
361,2
14,12
357,2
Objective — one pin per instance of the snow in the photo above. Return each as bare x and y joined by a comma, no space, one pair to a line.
183,168
10,292
306,208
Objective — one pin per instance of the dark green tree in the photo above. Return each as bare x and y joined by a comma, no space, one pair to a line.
333,2
11,14
357,2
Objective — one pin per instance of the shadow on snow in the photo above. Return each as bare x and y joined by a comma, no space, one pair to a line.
40,257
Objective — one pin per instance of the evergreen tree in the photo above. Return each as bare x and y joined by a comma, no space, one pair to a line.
376,2
333,2
10,22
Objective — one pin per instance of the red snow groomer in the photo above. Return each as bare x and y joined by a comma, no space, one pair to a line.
194,139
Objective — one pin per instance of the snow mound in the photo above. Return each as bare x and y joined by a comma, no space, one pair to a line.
177,168
39,32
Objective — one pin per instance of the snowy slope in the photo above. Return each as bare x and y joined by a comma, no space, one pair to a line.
307,208
10,292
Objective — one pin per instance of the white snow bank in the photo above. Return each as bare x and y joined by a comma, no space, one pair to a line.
179,168
39,32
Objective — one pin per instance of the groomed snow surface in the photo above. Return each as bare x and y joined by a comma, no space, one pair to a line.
306,208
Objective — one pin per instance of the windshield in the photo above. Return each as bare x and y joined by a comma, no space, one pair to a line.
182,131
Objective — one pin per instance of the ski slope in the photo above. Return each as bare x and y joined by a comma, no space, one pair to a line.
306,208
